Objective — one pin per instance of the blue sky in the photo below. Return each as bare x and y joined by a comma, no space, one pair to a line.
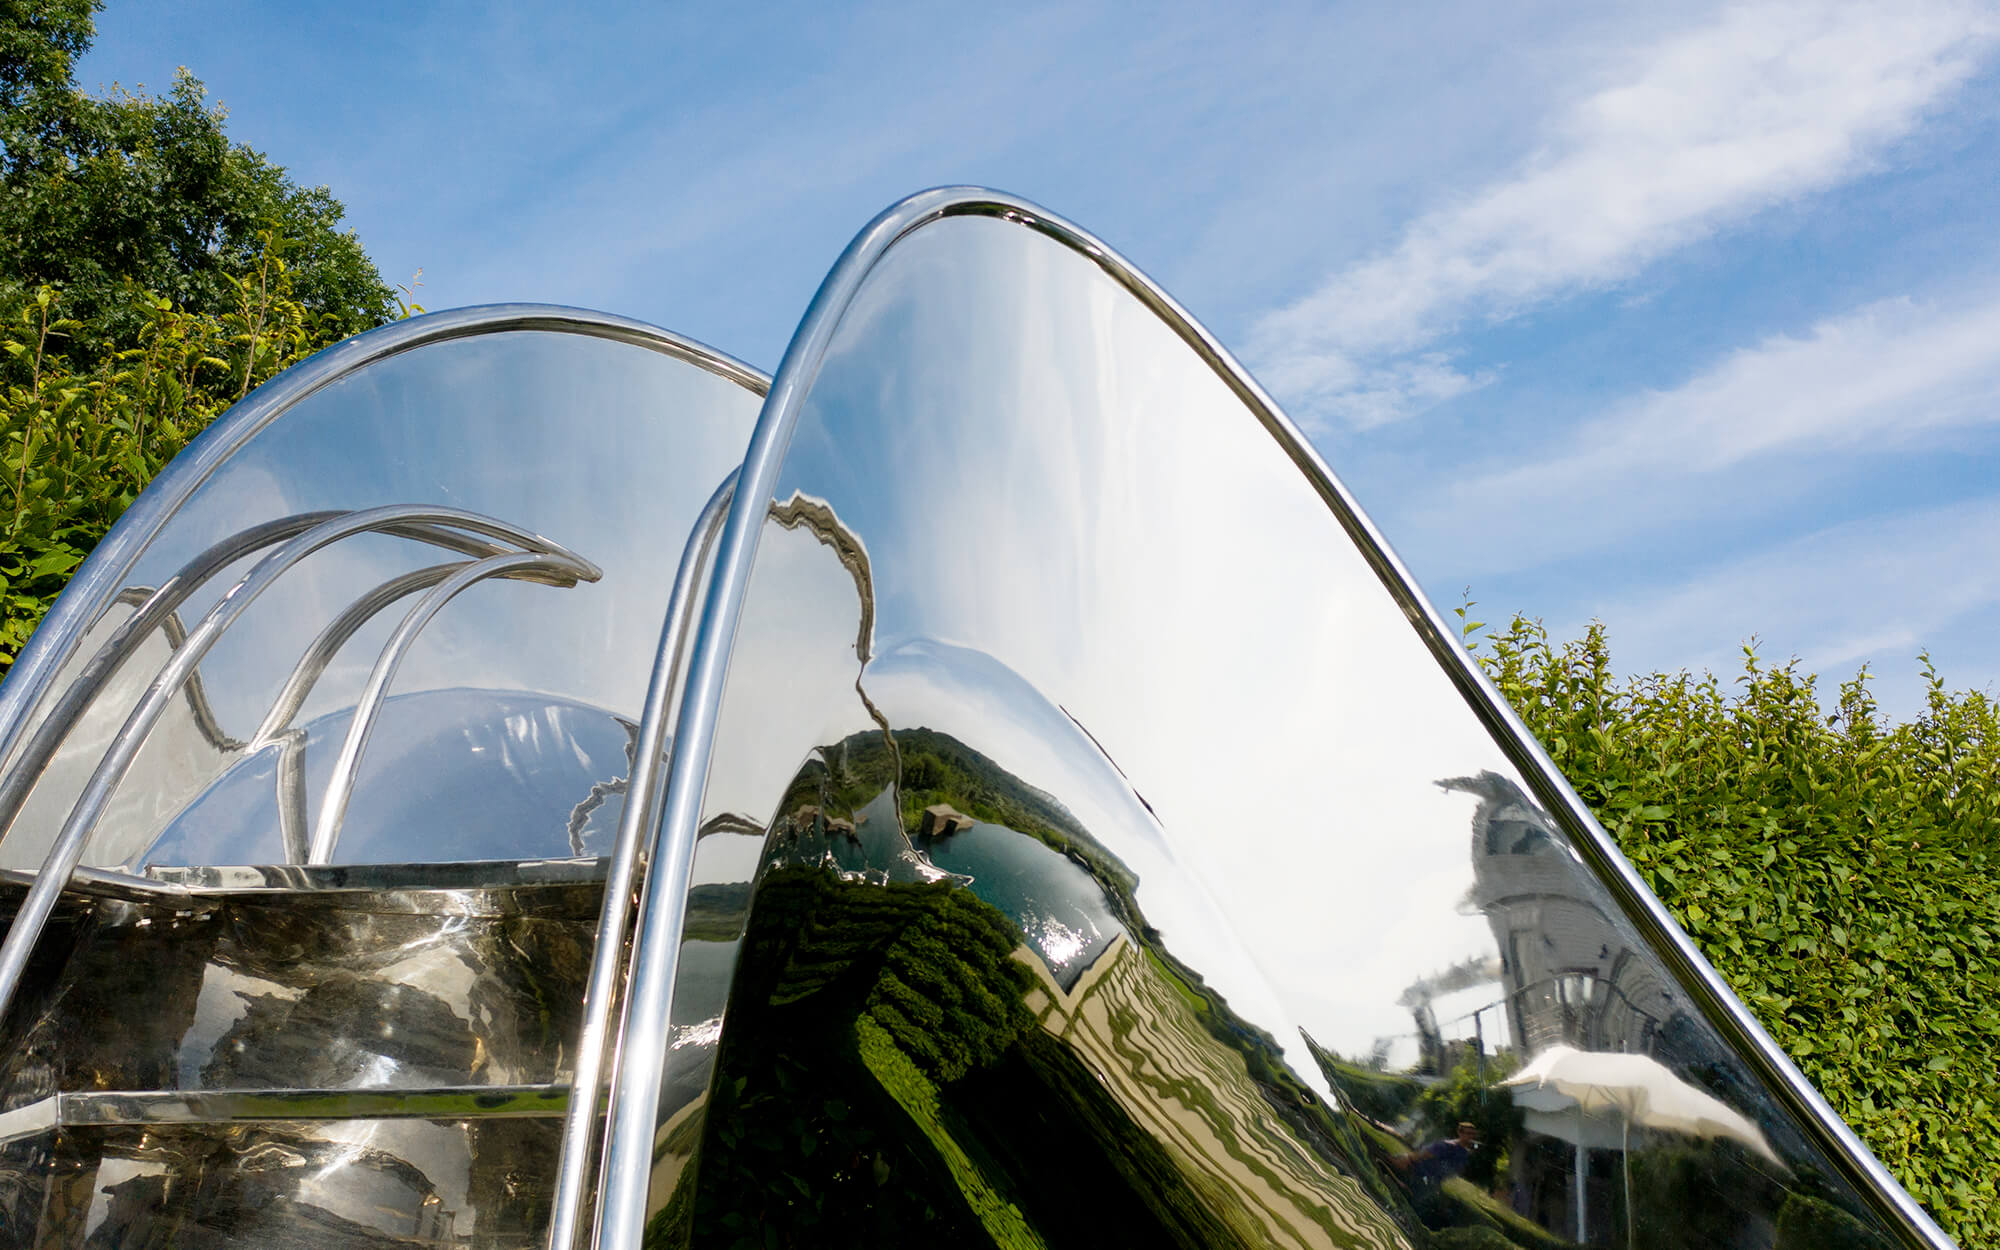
1685,318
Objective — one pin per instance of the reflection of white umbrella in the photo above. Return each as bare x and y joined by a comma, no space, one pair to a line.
1636,1090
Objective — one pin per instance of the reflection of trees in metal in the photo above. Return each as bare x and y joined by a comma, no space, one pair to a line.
899,1067
304,1184
951,1057
276,1004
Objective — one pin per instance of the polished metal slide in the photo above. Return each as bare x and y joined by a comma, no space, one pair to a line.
516,782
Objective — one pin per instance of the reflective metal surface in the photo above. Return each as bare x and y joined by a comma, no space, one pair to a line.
1018,801
1135,859
639,818
234,1031
604,435
248,1017
541,559
294,1185
221,988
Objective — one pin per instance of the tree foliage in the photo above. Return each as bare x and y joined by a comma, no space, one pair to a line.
151,274
1839,870
78,445
118,201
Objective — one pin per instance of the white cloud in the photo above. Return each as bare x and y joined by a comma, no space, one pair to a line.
1886,375
1763,104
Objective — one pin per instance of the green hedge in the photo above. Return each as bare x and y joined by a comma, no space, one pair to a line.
1839,870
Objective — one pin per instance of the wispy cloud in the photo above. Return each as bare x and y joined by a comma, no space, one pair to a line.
1876,590
1889,374
1763,104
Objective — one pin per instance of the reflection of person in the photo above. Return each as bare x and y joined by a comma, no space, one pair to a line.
1441,1160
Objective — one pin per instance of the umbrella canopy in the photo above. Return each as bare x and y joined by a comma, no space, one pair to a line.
1637,1089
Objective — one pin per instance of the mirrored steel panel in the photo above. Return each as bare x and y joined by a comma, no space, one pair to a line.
1055,819
601,437
1101,843
315,895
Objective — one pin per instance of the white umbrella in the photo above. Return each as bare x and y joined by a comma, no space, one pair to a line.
1637,1090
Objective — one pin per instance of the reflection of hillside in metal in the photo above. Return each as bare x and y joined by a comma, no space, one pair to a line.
1234,1143
1127,1020
908,1024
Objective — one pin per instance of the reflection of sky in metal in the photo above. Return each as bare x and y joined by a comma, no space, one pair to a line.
1042,471
449,775
610,446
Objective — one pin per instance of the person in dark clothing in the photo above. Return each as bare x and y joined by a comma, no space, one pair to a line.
1438,1162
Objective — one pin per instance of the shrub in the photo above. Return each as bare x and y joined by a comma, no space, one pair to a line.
79,442
1837,869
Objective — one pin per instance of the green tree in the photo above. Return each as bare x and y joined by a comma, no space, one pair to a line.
39,43
151,274
121,200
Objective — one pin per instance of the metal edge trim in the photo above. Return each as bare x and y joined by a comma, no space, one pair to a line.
626,1171
102,573
622,1211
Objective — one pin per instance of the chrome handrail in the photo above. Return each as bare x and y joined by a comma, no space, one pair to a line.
66,851
643,795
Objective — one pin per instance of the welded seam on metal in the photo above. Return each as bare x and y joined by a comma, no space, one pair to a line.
347,765
643,796
110,564
629,1152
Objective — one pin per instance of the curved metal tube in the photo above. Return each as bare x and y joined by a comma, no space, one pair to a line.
312,665
339,787
629,1151
292,834
67,849
176,633
110,564
150,614
643,794
158,609
305,675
